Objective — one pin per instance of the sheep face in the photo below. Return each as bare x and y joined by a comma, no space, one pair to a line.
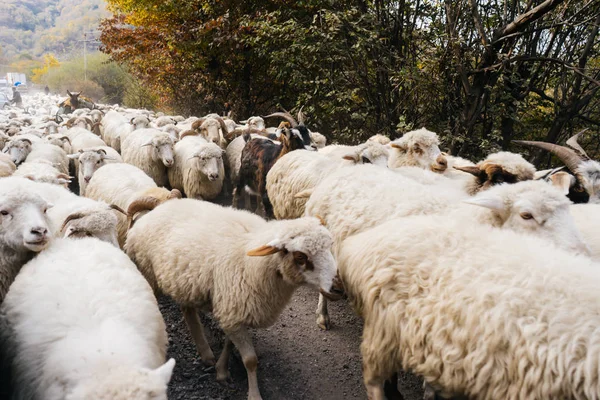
420,148
209,129
256,123
23,222
209,160
318,139
51,128
139,122
534,208
307,258
89,162
18,150
98,223
61,141
161,147
127,384
589,173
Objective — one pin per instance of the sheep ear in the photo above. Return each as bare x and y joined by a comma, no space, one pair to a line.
30,177
265,250
63,181
165,371
473,170
493,203
351,157
398,146
74,156
148,143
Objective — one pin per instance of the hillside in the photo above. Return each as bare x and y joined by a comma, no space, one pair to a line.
35,27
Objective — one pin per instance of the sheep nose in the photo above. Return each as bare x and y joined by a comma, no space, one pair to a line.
87,178
213,177
168,163
39,231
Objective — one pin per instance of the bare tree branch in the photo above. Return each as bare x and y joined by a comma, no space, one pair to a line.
478,23
523,20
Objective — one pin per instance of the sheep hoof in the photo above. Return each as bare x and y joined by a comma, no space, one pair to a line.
225,379
323,322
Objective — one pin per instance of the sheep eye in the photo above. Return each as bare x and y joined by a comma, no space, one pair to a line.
300,257
3,212
45,210
526,215
365,160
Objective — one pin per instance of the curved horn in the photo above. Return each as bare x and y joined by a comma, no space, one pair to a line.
26,141
567,155
285,116
573,143
72,217
89,121
175,194
119,209
102,152
144,203
65,138
189,132
131,120
197,123
301,116
223,126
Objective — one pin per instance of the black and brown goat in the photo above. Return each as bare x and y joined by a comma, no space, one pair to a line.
259,155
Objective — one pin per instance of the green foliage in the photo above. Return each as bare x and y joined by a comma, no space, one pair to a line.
359,68
106,81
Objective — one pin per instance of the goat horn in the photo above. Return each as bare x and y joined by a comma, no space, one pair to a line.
145,203
567,155
285,116
189,132
301,116
119,209
573,143
72,217
223,126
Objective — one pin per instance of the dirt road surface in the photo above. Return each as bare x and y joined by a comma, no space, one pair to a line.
297,360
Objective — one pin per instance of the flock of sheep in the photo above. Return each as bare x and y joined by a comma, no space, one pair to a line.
480,277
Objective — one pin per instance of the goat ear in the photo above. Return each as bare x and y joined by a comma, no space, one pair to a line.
165,371
493,203
263,251
69,93
563,181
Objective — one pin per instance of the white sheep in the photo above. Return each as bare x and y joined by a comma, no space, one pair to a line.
301,171
84,140
42,172
90,160
213,129
18,149
418,148
24,228
352,200
75,216
150,150
198,171
61,141
51,154
84,324
7,166
125,185
116,127
474,310
236,264
501,167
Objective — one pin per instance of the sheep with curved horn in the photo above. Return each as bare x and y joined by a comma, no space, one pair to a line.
586,171
284,115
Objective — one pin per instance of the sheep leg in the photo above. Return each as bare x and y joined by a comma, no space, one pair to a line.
322,314
247,201
390,388
223,363
242,340
197,330
235,198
